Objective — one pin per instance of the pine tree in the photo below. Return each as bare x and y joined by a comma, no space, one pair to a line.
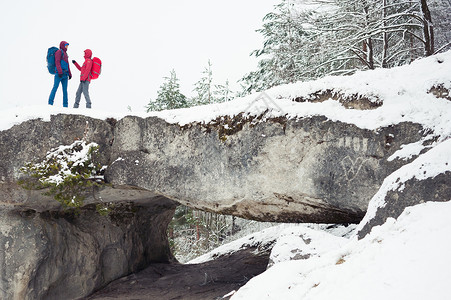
308,39
203,87
169,95
222,93
280,56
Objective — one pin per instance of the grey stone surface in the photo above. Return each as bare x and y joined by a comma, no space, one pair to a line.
414,192
31,140
209,280
57,255
307,170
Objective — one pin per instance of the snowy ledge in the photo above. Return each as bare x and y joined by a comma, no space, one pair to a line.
406,95
402,94
413,93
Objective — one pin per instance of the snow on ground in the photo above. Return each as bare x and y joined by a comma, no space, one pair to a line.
402,90
283,231
261,238
406,258
303,242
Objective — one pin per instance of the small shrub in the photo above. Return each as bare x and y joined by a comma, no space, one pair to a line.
68,173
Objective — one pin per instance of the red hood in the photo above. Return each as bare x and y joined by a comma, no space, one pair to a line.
88,53
62,45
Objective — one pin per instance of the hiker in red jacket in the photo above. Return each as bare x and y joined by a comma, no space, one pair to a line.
85,79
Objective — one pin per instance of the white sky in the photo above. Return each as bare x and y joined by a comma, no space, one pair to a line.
139,42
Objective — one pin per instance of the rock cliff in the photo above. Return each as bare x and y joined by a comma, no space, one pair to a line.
60,255
305,170
287,170
48,253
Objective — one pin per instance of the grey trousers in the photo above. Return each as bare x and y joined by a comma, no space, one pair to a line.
83,87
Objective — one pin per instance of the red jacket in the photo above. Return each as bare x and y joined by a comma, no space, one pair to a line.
62,62
86,68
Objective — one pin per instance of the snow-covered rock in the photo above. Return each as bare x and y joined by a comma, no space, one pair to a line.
272,158
286,242
427,178
301,242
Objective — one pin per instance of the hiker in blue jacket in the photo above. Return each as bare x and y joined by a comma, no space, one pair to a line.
62,73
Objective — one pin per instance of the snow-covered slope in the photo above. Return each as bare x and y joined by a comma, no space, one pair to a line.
406,258
287,237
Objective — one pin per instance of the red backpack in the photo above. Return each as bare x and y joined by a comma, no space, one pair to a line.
96,68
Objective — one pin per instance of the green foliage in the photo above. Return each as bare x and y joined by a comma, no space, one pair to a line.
104,209
67,173
169,95
205,92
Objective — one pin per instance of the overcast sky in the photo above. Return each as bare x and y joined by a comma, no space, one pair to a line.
139,43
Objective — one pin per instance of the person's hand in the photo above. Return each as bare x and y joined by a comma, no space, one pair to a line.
60,75
74,62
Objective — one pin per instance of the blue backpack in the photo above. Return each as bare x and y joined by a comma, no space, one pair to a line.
51,65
